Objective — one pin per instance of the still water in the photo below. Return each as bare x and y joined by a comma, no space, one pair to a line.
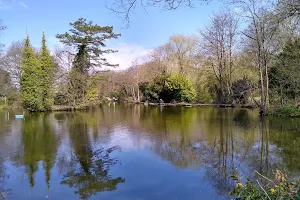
136,152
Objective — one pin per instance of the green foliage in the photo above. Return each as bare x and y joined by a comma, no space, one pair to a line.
31,80
169,88
203,91
285,111
278,189
93,91
155,90
47,75
180,88
89,39
284,75
60,98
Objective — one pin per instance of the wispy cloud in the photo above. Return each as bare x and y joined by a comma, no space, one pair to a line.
23,4
3,6
10,4
126,55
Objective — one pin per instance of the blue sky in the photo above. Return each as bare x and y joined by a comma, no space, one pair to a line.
146,31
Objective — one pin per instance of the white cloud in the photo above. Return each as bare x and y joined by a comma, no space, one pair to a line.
126,55
23,4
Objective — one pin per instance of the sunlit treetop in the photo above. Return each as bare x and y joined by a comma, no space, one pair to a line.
90,41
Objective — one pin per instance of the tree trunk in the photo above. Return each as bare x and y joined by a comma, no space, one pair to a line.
262,93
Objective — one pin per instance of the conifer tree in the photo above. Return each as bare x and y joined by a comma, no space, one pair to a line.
90,41
47,67
30,81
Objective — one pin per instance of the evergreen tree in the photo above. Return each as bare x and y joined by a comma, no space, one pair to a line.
47,67
89,39
30,82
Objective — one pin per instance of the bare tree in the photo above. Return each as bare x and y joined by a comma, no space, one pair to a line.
2,27
124,8
261,31
177,55
289,8
219,40
183,50
10,61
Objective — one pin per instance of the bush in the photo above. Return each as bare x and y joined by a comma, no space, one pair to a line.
180,88
241,90
60,99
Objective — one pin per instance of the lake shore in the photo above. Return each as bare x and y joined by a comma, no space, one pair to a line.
195,105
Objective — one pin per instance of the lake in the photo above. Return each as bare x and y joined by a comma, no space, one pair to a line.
137,152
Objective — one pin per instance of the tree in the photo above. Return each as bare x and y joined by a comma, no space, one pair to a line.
284,75
89,40
241,90
5,82
31,80
2,27
47,75
11,61
182,49
288,8
219,41
260,33
155,89
180,88
125,7
169,88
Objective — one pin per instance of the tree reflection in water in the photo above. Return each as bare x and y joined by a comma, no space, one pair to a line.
212,143
90,178
3,177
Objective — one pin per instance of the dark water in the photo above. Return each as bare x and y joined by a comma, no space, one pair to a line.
141,153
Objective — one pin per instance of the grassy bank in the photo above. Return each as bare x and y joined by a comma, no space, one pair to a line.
285,111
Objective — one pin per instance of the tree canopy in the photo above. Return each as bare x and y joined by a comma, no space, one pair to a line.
90,40
31,80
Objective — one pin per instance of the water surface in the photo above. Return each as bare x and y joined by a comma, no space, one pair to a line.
136,152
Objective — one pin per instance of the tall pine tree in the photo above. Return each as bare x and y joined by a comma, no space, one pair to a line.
90,41
47,67
30,82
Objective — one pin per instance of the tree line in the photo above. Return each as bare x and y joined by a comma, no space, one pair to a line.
247,55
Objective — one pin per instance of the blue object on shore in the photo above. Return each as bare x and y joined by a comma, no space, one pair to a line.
19,116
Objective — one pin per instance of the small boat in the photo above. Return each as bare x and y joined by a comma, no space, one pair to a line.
19,116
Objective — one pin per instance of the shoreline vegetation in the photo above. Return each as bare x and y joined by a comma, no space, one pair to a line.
283,112
280,111
281,187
